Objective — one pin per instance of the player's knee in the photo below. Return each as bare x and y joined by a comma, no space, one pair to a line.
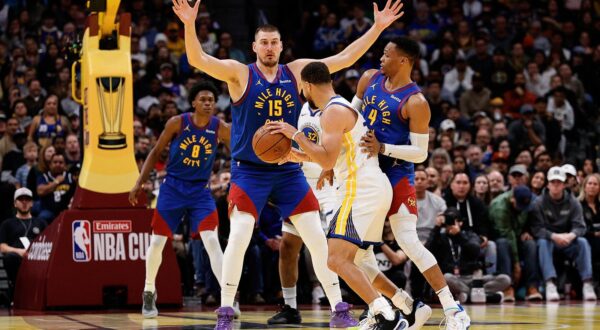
289,249
335,262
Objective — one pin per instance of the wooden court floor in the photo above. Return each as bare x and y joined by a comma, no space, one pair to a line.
520,316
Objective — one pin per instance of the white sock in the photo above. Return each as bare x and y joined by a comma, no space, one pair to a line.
308,226
403,301
210,239
447,301
381,306
289,296
242,226
153,260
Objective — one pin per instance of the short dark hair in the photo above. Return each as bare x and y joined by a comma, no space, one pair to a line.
203,86
316,73
409,47
266,28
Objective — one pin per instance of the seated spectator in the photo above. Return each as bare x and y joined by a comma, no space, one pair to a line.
481,189
497,185
558,226
72,150
572,182
48,124
6,142
518,96
19,111
457,252
475,214
526,131
509,215
55,188
17,233
518,176
590,203
434,183
30,152
537,183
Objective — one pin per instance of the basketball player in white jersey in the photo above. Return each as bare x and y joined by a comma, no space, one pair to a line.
358,223
291,242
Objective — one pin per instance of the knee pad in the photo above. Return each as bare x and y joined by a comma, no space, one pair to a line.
365,260
405,231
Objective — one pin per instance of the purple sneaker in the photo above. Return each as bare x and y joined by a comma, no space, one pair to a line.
224,318
341,317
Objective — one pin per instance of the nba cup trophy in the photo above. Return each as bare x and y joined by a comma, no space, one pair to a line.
94,253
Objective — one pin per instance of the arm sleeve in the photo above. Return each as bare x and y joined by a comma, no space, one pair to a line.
357,103
416,152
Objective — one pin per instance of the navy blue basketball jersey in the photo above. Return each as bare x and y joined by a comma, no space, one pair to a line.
263,102
192,153
382,110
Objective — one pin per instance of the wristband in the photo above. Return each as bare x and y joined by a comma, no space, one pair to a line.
294,135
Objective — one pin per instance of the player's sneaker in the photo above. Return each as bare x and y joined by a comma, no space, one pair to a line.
286,315
341,317
459,321
224,318
236,310
418,316
379,322
149,304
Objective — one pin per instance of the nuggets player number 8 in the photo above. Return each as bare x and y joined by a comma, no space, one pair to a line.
275,108
196,151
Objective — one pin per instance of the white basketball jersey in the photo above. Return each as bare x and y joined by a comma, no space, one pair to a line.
309,123
351,159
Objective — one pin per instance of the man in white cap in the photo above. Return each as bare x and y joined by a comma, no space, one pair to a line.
17,233
557,225
572,183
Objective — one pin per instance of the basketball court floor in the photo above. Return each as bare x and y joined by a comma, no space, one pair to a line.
566,315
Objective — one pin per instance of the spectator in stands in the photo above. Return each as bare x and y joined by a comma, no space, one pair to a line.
551,125
572,182
55,188
6,142
475,156
226,41
459,79
430,206
35,98
538,182
497,185
518,96
328,36
509,215
558,226
475,99
72,150
19,111
543,162
433,181
590,203
526,131
17,233
475,214
561,108
518,176
30,152
49,123
481,189
457,251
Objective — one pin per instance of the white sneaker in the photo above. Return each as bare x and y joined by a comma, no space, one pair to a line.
422,313
317,294
551,292
588,292
459,321
236,310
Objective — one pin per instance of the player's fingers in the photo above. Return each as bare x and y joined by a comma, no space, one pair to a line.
175,3
397,6
387,4
196,6
375,8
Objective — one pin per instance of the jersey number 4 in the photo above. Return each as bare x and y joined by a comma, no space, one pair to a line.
372,116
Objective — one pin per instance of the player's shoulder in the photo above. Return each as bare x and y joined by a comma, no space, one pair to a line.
364,80
417,100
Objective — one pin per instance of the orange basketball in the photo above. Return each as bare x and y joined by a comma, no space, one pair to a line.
270,148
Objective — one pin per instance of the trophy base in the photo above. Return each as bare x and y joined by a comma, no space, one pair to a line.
112,141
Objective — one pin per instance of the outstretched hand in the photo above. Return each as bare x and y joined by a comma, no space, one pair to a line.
186,13
388,15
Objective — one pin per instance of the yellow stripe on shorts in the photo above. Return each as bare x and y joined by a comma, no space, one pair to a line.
342,219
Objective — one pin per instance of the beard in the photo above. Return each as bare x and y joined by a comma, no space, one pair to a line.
23,212
269,63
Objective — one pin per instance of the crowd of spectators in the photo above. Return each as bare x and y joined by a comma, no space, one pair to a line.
514,133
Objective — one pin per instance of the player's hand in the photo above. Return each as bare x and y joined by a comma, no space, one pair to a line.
134,193
294,156
369,144
186,13
280,127
325,176
388,15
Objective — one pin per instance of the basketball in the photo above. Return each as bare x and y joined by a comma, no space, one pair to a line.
270,148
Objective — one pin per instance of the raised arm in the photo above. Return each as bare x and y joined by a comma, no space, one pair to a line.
384,18
230,71
171,130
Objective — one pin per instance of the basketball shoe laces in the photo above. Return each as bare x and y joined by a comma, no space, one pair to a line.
346,315
224,321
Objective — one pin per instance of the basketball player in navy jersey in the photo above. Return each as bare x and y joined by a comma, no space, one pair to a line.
263,92
398,116
192,139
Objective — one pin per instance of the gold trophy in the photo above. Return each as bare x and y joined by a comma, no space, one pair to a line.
111,95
